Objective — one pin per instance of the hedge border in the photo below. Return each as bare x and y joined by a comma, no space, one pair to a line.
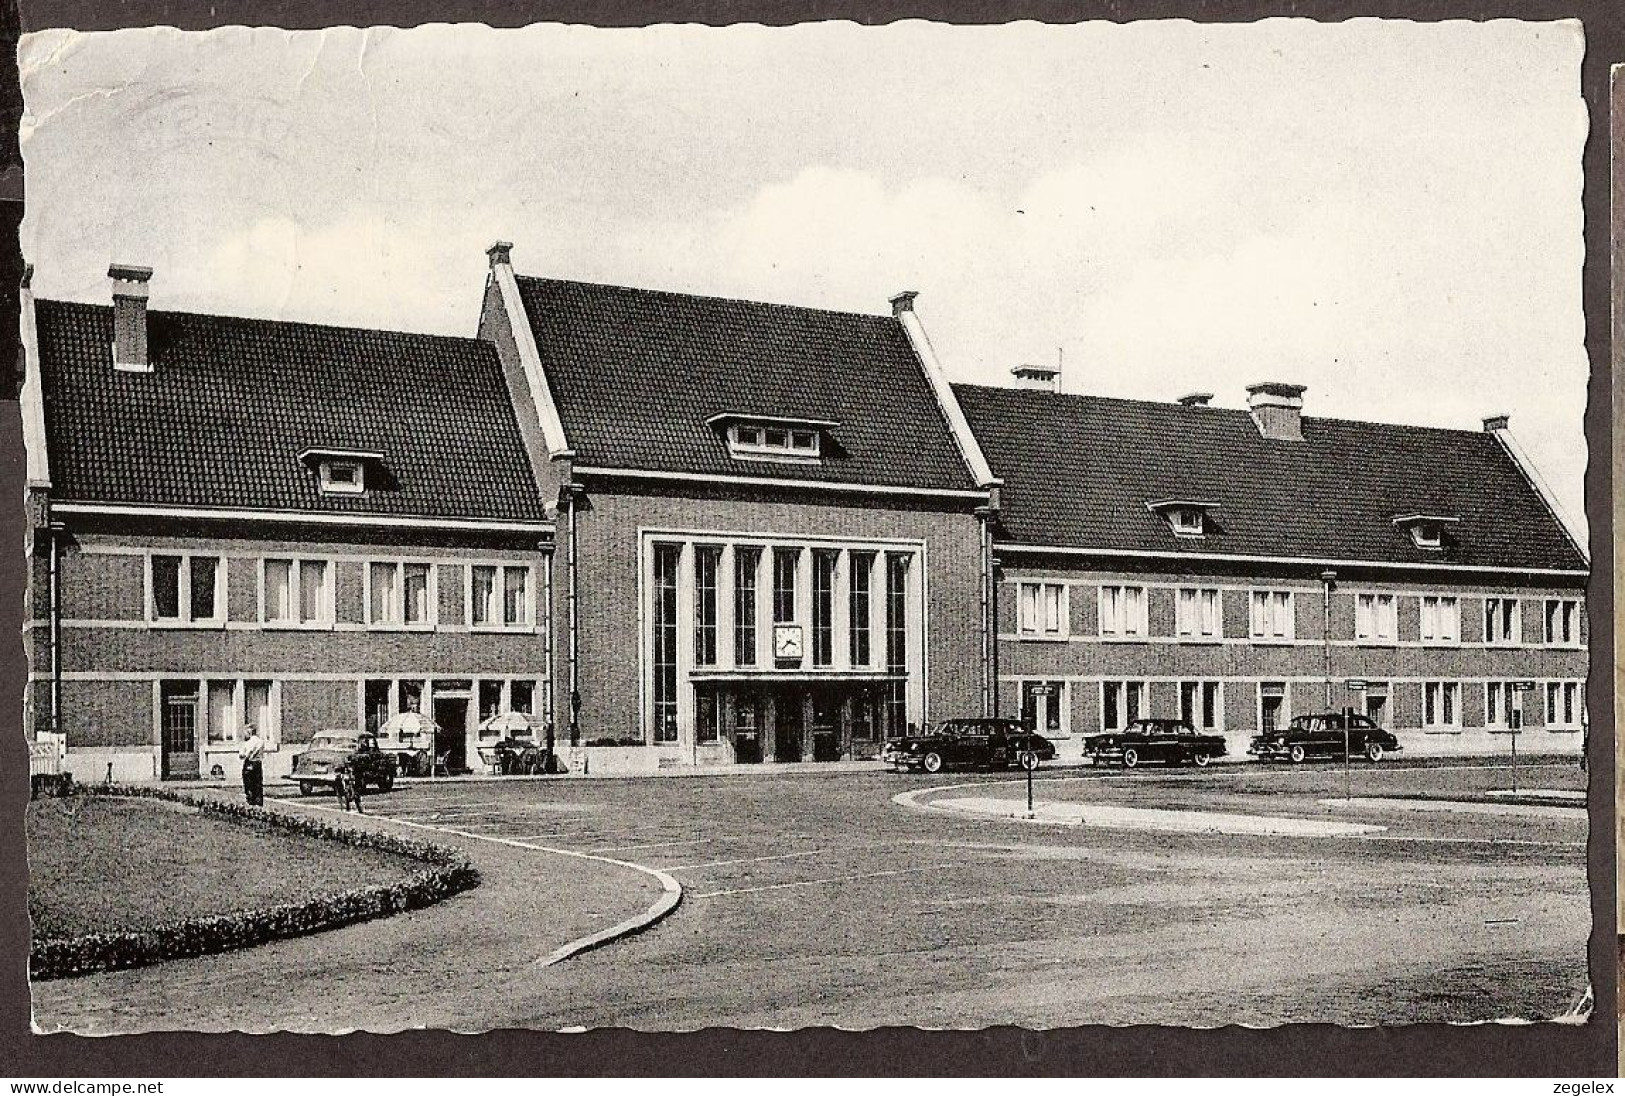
449,872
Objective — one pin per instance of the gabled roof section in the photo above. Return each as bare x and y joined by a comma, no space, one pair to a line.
232,404
1079,470
640,377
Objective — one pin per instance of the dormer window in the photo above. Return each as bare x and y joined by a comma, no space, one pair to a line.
1185,518
342,477
340,471
771,438
1426,530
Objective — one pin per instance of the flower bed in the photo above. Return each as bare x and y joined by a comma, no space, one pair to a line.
446,872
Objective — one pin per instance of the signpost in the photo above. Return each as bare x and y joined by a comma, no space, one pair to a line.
1354,685
1515,724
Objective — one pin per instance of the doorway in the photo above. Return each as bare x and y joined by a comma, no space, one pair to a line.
826,724
788,724
451,732
1376,708
179,703
747,729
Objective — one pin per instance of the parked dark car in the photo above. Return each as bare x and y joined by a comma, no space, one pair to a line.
1170,741
329,749
978,743
1322,735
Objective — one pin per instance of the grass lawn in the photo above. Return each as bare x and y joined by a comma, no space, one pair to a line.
102,864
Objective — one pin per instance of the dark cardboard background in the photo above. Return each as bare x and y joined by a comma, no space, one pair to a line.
1485,1050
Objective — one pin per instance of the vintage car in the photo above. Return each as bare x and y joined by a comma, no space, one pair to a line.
1323,735
329,749
980,743
1170,741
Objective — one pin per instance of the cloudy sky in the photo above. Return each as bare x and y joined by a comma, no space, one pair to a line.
1388,213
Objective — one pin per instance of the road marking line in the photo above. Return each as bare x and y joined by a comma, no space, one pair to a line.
656,845
754,859
1401,839
820,882
671,889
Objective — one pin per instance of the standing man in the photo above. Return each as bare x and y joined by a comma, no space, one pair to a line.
252,752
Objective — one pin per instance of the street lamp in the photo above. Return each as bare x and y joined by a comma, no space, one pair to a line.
1328,582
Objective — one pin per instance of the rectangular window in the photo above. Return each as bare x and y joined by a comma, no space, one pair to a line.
1562,622
707,560
746,561
1500,701
1199,704
297,591
706,722
896,641
499,596
1376,619
205,587
522,696
1121,702
1043,706
1122,611
860,565
1563,701
664,692
400,594
1501,623
1272,616
823,606
1197,614
222,711
1441,705
234,706
1041,610
784,584
490,705
186,589
375,704
1441,620
752,440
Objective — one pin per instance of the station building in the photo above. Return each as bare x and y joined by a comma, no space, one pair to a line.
773,522
243,521
1239,567
694,531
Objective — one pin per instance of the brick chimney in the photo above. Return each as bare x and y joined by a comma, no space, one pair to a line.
1042,378
1277,409
500,254
903,302
1496,423
130,317
1196,399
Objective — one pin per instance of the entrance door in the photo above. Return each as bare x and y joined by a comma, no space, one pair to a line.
451,734
747,729
1271,705
788,725
826,726
179,702
1376,708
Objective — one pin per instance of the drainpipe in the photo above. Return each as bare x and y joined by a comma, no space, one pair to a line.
51,531
988,640
547,652
1328,582
573,496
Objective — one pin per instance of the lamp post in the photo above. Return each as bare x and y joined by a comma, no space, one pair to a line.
1328,581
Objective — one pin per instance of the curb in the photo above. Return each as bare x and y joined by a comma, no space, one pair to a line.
670,897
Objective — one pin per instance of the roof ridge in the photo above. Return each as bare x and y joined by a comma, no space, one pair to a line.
391,332
717,297
1175,408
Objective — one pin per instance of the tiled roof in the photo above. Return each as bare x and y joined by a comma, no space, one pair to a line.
1079,471
636,373
232,402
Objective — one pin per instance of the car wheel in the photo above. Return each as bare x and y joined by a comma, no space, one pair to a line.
1201,759
1373,751
1294,754
1028,760
1131,757
932,763
306,788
